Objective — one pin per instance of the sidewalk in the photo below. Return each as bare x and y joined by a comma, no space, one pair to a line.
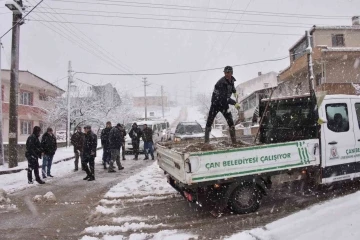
62,154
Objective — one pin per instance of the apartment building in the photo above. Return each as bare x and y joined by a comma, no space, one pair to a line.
336,61
34,93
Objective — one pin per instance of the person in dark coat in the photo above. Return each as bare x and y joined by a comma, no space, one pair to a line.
135,135
77,140
105,144
122,129
147,137
116,140
221,98
49,147
89,153
32,154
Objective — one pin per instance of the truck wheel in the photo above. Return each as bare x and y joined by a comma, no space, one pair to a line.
245,199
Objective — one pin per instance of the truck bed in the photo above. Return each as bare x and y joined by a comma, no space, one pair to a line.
195,162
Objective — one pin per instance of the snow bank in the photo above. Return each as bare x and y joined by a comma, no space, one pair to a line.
150,181
161,235
122,228
333,220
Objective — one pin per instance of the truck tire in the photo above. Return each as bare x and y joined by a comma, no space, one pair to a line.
245,198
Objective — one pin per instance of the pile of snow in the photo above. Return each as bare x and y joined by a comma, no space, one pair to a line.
150,181
5,202
122,228
49,197
335,219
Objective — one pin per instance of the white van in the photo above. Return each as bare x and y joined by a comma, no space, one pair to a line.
156,127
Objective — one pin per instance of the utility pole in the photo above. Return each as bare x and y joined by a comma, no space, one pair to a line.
2,160
162,100
14,90
70,81
145,101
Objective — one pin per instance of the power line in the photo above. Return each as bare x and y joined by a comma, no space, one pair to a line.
93,44
181,72
164,15
169,28
178,20
191,8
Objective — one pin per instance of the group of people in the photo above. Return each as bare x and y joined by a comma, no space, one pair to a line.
113,139
85,145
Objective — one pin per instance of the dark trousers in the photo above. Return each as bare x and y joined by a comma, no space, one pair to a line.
136,145
33,165
214,110
89,160
106,156
123,150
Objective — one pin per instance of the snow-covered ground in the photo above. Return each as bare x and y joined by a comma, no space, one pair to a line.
149,184
338,219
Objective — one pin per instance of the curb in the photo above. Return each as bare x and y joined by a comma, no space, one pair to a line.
21,169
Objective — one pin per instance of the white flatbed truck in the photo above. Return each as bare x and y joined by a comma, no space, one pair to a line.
295,144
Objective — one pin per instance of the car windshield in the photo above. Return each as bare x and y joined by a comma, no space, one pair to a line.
188,129
142,126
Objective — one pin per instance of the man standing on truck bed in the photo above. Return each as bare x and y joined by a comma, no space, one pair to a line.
221,98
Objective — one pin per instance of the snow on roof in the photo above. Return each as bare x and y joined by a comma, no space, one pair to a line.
357,87
341,49
348,27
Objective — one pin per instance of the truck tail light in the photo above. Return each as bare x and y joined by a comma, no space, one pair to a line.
188,196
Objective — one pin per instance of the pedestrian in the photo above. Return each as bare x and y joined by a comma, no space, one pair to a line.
116,140
49,147
89,153
105,144
32,154
123,142
220,100
147,137
135,135
77,140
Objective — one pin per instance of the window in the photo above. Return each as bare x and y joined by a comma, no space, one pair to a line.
2,93
26,98
266,85
26,127
152,114
357,109
338,40
337,117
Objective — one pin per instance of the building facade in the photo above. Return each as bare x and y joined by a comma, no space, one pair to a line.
34,93
336,61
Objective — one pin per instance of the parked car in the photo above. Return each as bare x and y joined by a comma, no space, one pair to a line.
188,131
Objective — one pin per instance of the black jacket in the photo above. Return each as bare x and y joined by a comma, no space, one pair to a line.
135,134
48,144
147,135
33,147
90,144
77,140
221,96
116,138
105,137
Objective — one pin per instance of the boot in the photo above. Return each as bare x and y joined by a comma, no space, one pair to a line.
232,135
152,157
207,134
40,181
86,178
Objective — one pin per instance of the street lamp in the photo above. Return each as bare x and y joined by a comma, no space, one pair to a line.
14,7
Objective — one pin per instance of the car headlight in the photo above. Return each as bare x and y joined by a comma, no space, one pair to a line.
177,139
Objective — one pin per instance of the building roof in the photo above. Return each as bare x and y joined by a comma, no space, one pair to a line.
341,49
27,71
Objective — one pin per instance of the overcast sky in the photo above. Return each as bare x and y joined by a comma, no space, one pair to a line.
147,49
